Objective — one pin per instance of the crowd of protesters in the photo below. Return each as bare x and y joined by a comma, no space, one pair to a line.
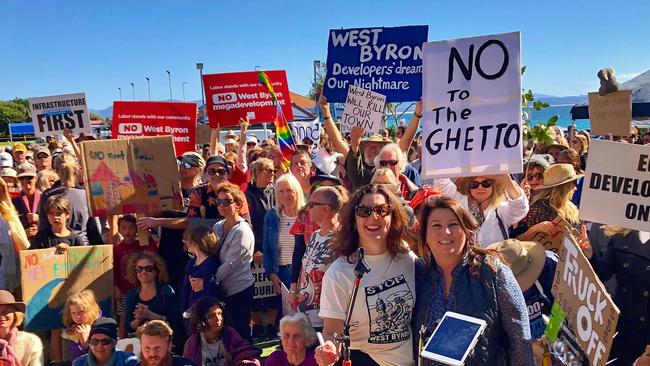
186,297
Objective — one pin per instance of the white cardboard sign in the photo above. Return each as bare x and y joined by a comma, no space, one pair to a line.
310,130
51,115
363,108
616,188
472,106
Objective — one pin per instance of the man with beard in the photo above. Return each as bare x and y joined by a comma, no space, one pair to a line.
156,346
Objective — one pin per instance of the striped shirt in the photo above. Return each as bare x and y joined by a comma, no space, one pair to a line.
286,241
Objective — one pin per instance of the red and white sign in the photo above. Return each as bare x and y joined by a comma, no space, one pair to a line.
236,95
138,119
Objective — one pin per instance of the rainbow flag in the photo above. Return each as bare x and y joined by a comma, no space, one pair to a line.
282,130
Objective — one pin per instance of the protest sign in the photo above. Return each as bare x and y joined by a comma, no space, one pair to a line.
236,95
51,115
203,133
384,60
616,188
472,107
589,310
553,241
310,130
611,113
363,108
125,176
139,119
48,278
263,284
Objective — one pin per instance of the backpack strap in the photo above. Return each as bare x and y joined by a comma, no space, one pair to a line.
504,232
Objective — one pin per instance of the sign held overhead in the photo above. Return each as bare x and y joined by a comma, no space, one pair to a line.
51,115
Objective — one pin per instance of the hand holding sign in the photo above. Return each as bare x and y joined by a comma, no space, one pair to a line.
363,108
584,243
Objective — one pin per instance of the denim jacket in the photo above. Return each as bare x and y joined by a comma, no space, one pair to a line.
507,334
271,237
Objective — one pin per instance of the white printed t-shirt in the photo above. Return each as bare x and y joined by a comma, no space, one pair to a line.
381,318
314,265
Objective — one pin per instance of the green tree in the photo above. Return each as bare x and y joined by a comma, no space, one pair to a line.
12,111
317,84
94,116
535,132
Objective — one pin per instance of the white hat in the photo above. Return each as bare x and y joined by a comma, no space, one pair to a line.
230,141
252,139
6,160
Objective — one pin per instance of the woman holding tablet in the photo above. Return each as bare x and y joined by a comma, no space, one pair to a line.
372,219
457,275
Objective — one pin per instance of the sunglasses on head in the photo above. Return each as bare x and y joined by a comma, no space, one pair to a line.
386,163
224,202
150,268
484,183
219,172
382,210
103,341
185,165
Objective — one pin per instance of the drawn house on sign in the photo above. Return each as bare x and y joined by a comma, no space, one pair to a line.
104,187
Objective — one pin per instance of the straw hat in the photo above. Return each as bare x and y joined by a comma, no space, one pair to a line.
375,137
6,298
544,149
559,174
525,258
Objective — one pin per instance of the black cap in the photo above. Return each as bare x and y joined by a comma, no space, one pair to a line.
323,177
105,326
217,159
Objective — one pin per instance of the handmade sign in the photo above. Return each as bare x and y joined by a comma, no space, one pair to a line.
51,115
310,130
203,133
139,119
589,310
126,176
553,241
263,284
363,108
384,60
611,113
616,188
48,279
472,107
236,95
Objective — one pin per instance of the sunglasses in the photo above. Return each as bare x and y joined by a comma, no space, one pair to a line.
484,183
219,172
103,341
382,210
224,202
25,178
42,156
314,204
538,176
386,163
185,165
251,143
150,268
270,170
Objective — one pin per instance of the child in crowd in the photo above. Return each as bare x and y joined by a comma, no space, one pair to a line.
200,272
126,226
58,213
79,312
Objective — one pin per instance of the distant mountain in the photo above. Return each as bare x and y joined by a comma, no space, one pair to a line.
108,112
555,100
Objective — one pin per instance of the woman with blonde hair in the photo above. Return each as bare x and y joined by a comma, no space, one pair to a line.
496,203
13,239
79,312
45,179
625,253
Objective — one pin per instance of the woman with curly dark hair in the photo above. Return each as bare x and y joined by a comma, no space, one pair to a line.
152,299
457,275
212,341
375,220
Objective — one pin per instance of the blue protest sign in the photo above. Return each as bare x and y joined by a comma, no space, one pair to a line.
384,60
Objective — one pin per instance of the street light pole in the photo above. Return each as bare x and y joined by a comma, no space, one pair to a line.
169,76
184,82
133,90
316,67
199,66
148,88
120,89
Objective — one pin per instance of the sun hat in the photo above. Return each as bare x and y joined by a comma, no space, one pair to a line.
192,158
19,146
26,170
558,174
375,137
230,141
526,259
544,149
43,150
252,139
8,172
7,298
6,160
105,326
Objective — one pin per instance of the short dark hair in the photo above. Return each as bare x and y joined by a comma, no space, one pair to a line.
128,218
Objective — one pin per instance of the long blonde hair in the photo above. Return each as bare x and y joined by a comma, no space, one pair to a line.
558,197
84,299
10,215
610,230
68,171
295,186
497,196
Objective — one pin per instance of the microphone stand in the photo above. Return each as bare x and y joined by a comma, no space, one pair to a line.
360,269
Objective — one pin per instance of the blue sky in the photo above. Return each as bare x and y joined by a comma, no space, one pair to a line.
55,47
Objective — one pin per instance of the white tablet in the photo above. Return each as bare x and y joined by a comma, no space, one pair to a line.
453,339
